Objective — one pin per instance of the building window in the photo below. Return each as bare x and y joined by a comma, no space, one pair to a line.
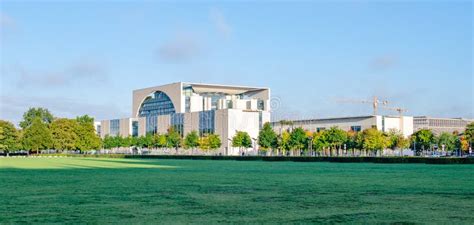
206,122
135,128
177,123
99,130
114,127
249,105
260,104
260,120
356,128
152,107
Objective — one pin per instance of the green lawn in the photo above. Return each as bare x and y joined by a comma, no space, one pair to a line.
129,191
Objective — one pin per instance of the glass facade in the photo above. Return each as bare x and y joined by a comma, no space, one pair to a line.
177,122
206,122
135,128
114,127
152,107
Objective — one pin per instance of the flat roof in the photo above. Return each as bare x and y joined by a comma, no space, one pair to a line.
202,87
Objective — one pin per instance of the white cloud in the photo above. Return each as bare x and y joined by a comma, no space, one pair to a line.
384,62
6,22
183,47
220,22
81,72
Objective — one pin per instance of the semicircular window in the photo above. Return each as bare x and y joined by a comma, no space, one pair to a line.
157,104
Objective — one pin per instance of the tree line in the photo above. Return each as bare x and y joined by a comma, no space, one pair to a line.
170,140
335,141
40,130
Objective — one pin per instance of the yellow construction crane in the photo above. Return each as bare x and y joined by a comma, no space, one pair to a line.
375,102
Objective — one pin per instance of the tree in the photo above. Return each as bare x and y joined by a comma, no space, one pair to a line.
173,139
191,141
87,138
64,134
214,141
335,137
37,136
242,140
159,141
422,139
396,140
267,138
298,139
284,142
469,131
9,137
43,114
210,142
319,141
447,140
374,140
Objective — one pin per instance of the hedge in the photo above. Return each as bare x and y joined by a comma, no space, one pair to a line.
453,160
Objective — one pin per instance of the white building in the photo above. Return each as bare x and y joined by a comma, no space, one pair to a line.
439,125
358,123
206,108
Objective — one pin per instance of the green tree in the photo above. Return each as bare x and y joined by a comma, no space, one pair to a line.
64,134
9,137
87,138
298,139
284,142
336,138
422,139
37,136
396,140
241,140
173,139
191,141
447,140
214,141
374,140
43,114
108,142
468,138
267,138
319,142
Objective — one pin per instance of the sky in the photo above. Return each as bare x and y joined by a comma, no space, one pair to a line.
317,57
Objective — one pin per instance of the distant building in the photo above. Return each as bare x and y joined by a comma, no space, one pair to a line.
439,125
357,123
186,107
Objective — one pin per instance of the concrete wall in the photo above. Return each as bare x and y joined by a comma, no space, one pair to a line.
104,128
239,120
141,126
164,122
125,127
191,122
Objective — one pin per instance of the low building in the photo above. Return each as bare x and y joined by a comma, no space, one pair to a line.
205,108
439,125
357,123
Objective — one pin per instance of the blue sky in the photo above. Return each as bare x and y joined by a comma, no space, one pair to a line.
86,57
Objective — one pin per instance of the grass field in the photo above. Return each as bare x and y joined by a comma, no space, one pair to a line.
87,190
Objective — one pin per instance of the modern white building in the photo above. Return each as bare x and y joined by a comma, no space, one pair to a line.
206,108
439,125
358,123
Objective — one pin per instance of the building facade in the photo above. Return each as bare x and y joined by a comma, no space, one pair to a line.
440,125
359,123
186,107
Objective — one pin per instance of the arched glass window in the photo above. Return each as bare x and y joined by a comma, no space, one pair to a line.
153,106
